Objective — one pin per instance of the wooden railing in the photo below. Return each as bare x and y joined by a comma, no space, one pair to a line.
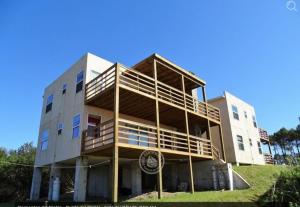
215,153
268,159
263,134
133,80
100,83
98,136
143,135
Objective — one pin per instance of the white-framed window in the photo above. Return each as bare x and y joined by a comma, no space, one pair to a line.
259,147
44,140
76,126
49,103
79,81
64,89
240,142
235,112
254,121
245,114
94,74
60,127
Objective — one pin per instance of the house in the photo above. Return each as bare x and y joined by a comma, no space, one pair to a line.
98,118
242,138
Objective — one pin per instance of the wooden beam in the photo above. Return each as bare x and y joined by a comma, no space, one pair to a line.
159,181
188,139
115,157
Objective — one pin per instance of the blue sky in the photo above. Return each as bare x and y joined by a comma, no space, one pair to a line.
250,48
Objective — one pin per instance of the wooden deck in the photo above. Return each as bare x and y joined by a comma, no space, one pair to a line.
142,136
143,85
164,116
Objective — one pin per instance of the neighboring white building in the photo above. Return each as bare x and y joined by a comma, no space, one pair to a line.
240,130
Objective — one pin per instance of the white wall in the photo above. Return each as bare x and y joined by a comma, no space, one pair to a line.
64,108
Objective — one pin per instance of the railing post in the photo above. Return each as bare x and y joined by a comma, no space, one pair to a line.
188,137
115,157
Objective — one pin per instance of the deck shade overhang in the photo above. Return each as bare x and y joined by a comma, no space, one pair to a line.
169,73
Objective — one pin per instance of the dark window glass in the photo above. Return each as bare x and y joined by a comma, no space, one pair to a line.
235,112
240,142
49,103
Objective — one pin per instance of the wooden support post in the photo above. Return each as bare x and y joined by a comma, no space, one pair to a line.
188,138
115,158
159,177
269,145
203,94
222,141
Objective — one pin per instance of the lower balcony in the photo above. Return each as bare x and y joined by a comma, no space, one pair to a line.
268,159
139,136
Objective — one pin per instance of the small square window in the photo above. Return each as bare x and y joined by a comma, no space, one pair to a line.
44,140
245,114
235,112
254,121
259,147
64,89
76,125
49,103
240,142
79,81
59,128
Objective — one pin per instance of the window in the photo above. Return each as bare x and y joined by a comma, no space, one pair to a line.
76,125
59,128
254,121
240,142
44,140
259,147
49,103
64,89
235,112
79,81
250,142
245,114
94,74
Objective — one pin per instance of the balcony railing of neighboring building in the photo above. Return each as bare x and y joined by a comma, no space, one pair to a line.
263,135
145,85
137,135
269,159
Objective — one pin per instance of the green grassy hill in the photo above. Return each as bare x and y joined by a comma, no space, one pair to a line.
261,179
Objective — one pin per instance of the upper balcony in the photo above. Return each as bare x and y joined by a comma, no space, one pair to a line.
263,134
133,81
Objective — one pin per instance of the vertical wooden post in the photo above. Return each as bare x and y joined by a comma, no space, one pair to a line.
208,123
159,181
188,138
222,141
115,158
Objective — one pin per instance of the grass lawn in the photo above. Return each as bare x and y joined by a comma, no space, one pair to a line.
261,179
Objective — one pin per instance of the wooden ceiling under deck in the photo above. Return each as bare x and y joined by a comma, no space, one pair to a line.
167,74
136,105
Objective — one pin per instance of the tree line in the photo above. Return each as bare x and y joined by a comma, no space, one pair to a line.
286,145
